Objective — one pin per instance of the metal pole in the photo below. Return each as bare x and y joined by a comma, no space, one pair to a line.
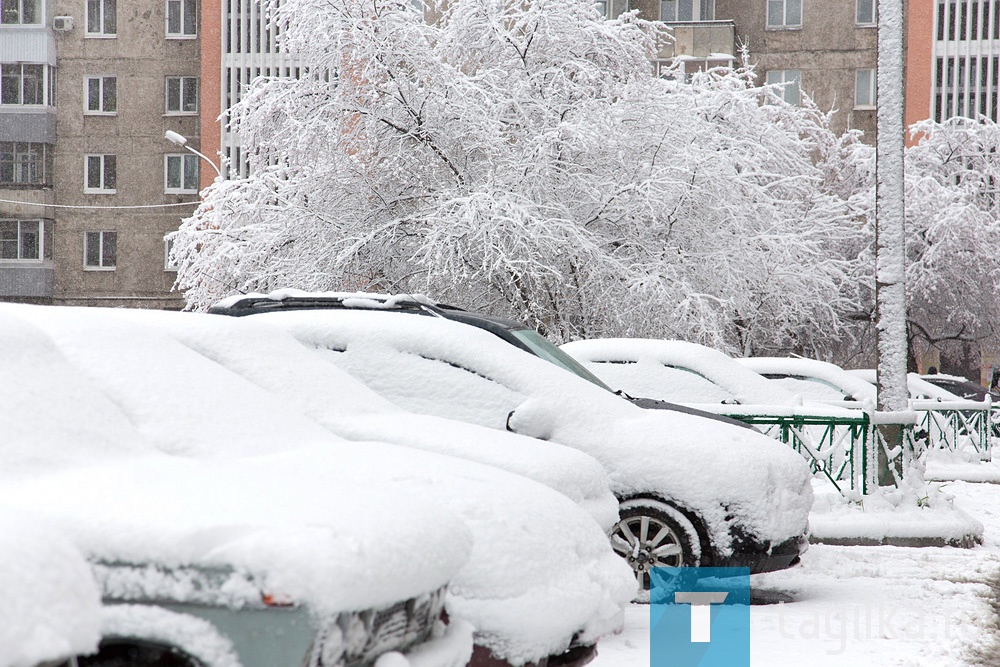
890,286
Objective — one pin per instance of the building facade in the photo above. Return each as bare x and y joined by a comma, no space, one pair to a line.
89,186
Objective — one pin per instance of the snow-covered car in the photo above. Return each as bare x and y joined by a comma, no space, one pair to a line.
516,333
271,359
176,467
691,374
961,386
745,504
814,380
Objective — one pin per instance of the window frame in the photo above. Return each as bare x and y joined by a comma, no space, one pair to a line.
181,97
786,80
102,31
182,4
872,88
41,241
103,189
45,86
873,22
39,8
103,236
784,25
103,79
185,158
39,156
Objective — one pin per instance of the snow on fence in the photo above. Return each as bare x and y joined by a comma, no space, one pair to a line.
845,450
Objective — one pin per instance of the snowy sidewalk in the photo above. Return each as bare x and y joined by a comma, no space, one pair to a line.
885,606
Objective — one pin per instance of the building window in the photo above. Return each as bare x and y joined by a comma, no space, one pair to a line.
866,12
102,18
21,12
168,264
791,81
612,9
100,250
101,174
24,240
182,19
784,13
101,93
182,94
26,83
181,174
678,11
25,164
864,89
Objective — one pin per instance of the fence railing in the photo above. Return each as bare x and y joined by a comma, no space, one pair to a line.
858,453
958,426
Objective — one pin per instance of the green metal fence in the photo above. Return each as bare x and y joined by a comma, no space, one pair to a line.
964,426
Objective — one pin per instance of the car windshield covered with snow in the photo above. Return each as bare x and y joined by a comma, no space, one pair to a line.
746,504
210,506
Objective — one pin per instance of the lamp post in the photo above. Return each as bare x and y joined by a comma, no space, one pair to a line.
182,141
890,256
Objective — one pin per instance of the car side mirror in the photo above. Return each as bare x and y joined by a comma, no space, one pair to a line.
532,418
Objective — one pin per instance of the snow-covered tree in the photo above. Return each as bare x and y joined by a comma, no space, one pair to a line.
952,237
521,157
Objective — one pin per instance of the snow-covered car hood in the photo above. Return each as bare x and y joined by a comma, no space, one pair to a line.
539,572
703,464
692,374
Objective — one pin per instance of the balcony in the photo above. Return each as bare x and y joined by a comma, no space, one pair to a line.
700,39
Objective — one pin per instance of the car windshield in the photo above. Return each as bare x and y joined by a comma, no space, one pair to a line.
543,348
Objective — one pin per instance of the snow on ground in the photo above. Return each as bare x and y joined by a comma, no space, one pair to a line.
885,606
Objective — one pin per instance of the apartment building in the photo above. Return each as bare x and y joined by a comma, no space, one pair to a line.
89,186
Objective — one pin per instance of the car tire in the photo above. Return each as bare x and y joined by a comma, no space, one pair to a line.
651,533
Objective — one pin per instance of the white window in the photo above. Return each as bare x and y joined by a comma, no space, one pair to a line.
866,12
26,83
101,174
101,94
864,89
168,264
180,173
791,79
100,250
182,94
678,11
21,12
23,240
182,19
784,13
102,18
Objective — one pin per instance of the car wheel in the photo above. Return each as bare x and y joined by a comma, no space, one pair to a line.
651,533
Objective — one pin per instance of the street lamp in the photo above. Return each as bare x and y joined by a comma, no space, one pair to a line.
182,141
